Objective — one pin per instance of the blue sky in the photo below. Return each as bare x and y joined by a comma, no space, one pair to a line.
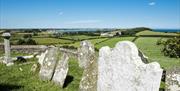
89,13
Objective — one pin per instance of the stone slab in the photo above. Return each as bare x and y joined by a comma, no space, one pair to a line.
121,69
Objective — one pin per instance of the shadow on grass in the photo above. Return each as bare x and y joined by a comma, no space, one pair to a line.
9,87
68,80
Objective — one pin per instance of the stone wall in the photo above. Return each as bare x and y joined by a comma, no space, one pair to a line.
30,49
26,48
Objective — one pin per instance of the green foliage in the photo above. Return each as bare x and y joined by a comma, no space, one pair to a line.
26,41
159,41
27,36
172,47
35,34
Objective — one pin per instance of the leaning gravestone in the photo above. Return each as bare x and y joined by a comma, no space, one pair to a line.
49,63
88,62
61,70
173,79
121,69
42,57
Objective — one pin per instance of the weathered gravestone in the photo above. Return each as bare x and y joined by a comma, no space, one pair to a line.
173,79
42,57
49,63
88,62
61,70
7,58
121,69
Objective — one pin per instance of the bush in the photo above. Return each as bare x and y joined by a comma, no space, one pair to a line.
172,47
159,41
27,36
26,41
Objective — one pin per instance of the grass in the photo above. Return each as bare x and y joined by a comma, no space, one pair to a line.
80,37
93,41
14,79
111,42
13,53
148,46
49,41
155,33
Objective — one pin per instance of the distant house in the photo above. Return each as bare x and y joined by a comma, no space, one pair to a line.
52,31
107,35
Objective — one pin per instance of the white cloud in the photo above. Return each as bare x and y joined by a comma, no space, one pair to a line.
83,22
152,3
61,13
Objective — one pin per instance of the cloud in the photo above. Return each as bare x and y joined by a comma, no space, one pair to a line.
83,22
61,13
152,3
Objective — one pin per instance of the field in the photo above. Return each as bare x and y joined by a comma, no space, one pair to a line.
51,41
151,50
80,37
152,33
14,79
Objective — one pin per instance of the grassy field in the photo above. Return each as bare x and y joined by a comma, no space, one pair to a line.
153,51
156,33
93,41
49,41
12,79
111,42
80,37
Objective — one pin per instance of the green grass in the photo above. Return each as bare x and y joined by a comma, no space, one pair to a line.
13,53
155,33
80,37
111,42
48,41
148,46
93,41
16,80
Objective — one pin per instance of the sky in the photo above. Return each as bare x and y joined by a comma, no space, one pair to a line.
89,13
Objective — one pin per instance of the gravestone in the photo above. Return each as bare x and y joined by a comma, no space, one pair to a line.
173,79
49,63
85,51
121,69
87,61
61,71
7,58
42,57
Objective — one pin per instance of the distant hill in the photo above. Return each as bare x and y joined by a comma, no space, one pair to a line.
133,31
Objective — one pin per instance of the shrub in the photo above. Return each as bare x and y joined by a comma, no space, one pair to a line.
26,41
172,47
159,41
27,36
